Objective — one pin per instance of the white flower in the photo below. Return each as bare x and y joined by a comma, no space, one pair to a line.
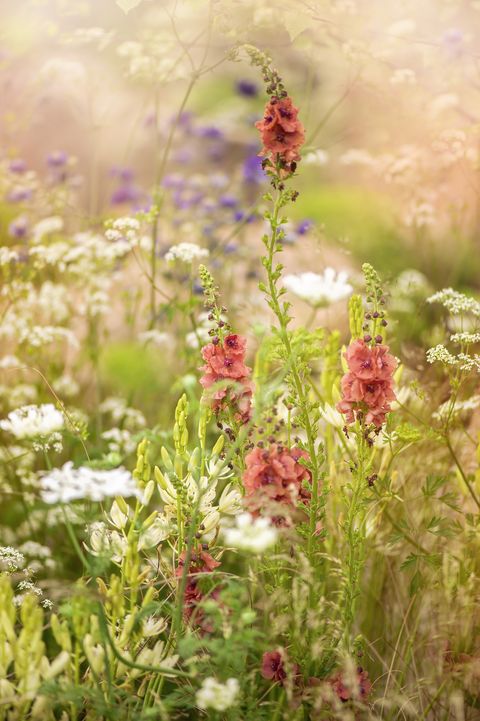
47,226
186,252
316,157
11,559
66,484
124,229
33,421
319,289
456,303
251,534
156,337
216,695
230,502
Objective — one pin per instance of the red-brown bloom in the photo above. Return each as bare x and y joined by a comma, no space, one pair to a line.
273,667
275,476
200,563
226,371
360,688
282,132
368,386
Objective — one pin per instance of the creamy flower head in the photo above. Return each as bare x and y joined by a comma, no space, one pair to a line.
186,253
319,290
251,534
216,695
33,421
66,484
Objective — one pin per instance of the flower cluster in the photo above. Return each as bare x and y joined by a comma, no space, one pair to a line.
66,484
282,133
275,477
319,290
226,374
200,563
217,696
251,534
367,388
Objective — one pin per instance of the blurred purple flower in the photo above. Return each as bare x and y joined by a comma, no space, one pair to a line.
247,88
253,171
228,201
304,226
17,165
57,159
18,228
212,132
122,172
125,194
19,195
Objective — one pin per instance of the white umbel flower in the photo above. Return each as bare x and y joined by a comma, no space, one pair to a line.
216,695
66,484
251,534
186,252
319,290
33,421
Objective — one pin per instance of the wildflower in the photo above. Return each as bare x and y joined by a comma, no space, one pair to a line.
18,228
217,696
33,421
319,290
358,687
200,563
247,88
368,386
224,362
47,226
274,669
275,476
282,132
11,559
186,253
456,303
66,484
251,534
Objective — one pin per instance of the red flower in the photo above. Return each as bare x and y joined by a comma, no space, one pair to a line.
361,688
226,370
273,667
368,386
282,132
275,475
201,562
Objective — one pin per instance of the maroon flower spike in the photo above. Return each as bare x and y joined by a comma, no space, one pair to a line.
225,369
345,692
282,132
200,562
275,476
273,667
368,386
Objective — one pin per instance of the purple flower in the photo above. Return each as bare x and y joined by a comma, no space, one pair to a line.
228,201
183,156
125,194
253,171
210,131
17,165
19,195
304,226
122,172
247,88
173,181
57,159
18,227
230,248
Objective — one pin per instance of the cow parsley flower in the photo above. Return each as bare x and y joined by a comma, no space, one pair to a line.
42,424
456,303
251,534
66,484
319,290
11,559
186,253
216,695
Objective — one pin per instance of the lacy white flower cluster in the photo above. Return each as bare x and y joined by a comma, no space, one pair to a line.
124,229
186,253
319,290
11,560
216,695
41,424
463,361
455,302
66,484
251,534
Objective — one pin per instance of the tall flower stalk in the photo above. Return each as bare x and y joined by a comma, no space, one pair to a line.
283,135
